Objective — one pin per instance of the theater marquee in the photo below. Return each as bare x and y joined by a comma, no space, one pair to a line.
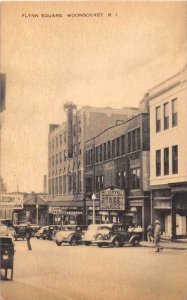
112,199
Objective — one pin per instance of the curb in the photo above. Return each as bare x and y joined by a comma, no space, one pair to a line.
164,247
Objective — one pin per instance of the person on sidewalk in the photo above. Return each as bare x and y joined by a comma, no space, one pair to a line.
157,234
28,236
150,233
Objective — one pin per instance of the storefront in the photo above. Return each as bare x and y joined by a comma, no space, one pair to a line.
65,212
170,207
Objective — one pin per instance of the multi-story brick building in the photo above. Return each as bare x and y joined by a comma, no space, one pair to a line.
168,156
66,199
119,158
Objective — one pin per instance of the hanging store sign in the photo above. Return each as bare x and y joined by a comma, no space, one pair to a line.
55,210
162,204
112,199
11,201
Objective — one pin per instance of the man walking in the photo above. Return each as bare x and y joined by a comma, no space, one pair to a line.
28,236
157,234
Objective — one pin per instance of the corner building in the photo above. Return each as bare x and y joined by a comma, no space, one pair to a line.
119,158
168,155
66,149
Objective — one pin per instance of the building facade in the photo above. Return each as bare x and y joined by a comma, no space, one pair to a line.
118,158
168,155
66,148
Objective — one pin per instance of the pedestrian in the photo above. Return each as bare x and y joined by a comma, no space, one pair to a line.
157,234
150,233
28,236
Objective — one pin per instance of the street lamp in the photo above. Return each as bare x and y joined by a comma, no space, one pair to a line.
37,206
93,215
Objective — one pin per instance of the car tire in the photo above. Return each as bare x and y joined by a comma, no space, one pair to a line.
87,243
73,241
38,237
116,243
58,243
100,245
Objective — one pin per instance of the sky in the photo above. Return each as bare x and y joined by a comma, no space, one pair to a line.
104,60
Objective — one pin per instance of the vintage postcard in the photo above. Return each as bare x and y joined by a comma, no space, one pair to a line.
93,150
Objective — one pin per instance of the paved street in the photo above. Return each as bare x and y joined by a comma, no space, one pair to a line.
86,273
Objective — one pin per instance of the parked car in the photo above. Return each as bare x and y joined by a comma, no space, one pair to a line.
20,231
90,235
70,234
117,235
50,231
38,234
34,228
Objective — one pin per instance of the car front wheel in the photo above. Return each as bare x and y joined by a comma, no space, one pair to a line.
58,243
73,242
87,243
116,243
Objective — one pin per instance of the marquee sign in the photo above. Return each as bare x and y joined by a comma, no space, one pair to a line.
11,201
112,199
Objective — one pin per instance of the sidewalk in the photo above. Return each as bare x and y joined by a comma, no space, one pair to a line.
166,244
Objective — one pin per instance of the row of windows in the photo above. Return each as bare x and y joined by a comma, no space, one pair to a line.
166,161
124,144
166,115
60,157
65,184
59,139
120,181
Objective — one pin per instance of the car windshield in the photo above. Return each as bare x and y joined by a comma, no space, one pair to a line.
68,228
105,227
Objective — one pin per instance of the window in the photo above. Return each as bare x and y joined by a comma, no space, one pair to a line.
79,148
104,151
100,153
117,147
64,136
64,184
56,141
53,187
174,112
53,160
175,159
166,116
88,184
56,159
60,139
56,185
166,161
96,154
134,140
108,150
49,186
121,179
79,126
123,144
99,183
60,157
135,178
158,119
129,141
113,148
53,144
79,182
60,185
158,162
138,143
64,155
118,179
70,183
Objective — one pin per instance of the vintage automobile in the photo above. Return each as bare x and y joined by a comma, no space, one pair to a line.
20,231
50,231
38,234
117,235
34,229
70,234
90,235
